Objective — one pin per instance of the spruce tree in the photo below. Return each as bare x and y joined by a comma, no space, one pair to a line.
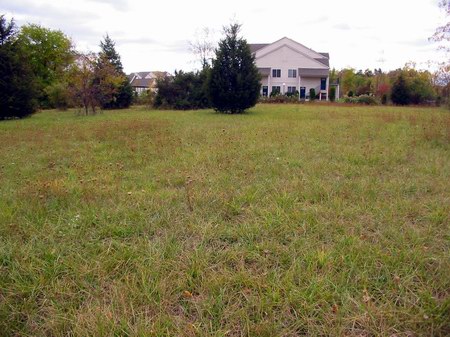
17,81
234,82
108,49
123,95
400,94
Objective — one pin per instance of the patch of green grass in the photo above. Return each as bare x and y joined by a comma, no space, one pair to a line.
289,220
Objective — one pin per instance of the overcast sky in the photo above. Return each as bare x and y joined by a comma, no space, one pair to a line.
154,35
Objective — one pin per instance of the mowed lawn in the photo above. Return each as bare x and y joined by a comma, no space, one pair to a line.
290,220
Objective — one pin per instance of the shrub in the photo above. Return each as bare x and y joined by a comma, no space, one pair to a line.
312,94
332,94
350,94
145,98
367,99
279,99
58,95
292,94
363,99
384,99
183,91
275,92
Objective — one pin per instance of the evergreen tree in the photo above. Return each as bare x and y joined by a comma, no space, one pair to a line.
400,91
108,49
123,93
234,82
17,88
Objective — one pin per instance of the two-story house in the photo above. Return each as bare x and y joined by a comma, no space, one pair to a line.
287,66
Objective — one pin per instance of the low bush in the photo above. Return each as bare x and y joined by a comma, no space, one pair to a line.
312,94
332,94
275,92
363,99
279,99
184,91
292,94
145,98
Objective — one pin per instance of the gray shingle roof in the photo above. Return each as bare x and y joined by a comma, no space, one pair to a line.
325,60
305,72
254,47
142,83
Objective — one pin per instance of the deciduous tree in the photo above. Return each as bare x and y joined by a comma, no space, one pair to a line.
49,53
203,47
90,85
442,35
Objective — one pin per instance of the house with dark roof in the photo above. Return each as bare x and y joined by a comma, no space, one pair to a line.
287,66
145,80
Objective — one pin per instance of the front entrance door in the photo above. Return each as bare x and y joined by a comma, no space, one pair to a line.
302,92
265,91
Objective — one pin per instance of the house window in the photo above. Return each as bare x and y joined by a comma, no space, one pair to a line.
265,90
323,83
276,90
292,73
291,90
276,72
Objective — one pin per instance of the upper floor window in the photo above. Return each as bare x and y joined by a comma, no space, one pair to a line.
292,73
276,72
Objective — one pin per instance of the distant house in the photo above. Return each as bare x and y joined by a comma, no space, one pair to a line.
145,80
287,66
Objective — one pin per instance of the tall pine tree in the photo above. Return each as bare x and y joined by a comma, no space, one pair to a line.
123,94
17,81
234,83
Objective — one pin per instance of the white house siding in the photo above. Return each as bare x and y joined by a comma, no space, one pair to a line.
287,54
295,45
286,57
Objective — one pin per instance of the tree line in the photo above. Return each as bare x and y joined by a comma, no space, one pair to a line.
401,86
40,69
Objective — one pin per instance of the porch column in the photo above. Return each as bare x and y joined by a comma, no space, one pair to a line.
269,88
299,82
328,87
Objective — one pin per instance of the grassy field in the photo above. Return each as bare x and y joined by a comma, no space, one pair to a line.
290,220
